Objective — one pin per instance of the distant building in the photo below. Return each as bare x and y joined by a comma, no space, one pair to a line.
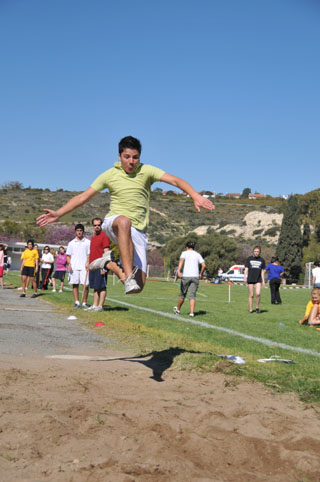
235,195
257,196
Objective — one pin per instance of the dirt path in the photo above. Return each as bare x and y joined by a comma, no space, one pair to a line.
108,419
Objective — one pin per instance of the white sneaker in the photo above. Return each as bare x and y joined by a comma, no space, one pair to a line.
191,314
54,291
176,311
60,291
130,284
99,263
89,308
97,309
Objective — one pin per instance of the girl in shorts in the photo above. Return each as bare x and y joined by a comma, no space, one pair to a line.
61,268
254,276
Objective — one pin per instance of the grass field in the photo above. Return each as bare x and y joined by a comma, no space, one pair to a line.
146,323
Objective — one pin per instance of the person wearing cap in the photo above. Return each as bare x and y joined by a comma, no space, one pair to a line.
190,260
129,182
77,262
316,275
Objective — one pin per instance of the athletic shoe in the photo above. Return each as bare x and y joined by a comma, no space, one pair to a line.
53,291
97,309
60,291
191,314
76,305
85,305
258,311
130,284
100,263
90,308
35,295
23,295
176,311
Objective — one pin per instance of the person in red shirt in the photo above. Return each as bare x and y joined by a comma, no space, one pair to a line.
99,244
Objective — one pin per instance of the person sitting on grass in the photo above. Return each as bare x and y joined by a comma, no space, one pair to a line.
312,314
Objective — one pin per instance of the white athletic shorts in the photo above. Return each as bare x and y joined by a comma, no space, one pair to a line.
79,277
139,241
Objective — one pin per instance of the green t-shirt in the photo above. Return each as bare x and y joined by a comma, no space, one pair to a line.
129,193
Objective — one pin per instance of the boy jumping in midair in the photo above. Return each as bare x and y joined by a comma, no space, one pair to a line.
129,183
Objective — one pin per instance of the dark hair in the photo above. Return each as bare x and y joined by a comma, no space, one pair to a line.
316,263
79,226
96,219
257,247
274,259
46,247
190,244
62,247
130,142
30,241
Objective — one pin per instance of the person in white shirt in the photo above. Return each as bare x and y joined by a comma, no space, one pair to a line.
47,261
316,275
190,260
78,251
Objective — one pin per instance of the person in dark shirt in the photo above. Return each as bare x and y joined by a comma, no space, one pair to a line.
254,276
275,271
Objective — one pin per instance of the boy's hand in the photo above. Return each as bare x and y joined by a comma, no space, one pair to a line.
202,202
49,217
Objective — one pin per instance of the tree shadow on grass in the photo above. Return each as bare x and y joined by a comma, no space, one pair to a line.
159,362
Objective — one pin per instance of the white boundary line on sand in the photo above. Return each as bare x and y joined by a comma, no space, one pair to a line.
263,341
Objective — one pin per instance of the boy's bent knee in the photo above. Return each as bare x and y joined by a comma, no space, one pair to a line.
122,223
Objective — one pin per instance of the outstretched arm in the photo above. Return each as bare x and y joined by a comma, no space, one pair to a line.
73,203
198,200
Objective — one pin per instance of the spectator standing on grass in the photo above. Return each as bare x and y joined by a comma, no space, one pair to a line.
99,245
1,264
190,260
29,267
77,261
254,276
9,261
5,259
47,261
316,275
37,274
275,271
61,268
52,251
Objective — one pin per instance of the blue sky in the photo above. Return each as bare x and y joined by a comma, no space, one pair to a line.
224,94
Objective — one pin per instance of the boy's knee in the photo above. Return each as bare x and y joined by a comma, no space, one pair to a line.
122,223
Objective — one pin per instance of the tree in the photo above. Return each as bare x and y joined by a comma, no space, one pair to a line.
306,235
12,185
245,193
289,248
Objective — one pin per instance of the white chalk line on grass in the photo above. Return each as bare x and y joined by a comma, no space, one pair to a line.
263,341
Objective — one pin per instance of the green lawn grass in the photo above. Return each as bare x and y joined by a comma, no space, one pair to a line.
196,347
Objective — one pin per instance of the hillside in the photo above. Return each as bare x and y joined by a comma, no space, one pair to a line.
170,214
